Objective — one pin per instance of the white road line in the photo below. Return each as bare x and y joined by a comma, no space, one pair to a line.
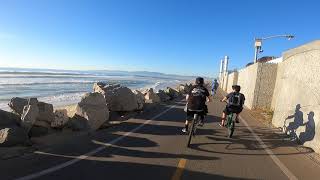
84,156
275,159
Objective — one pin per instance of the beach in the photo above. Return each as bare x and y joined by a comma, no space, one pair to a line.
63,87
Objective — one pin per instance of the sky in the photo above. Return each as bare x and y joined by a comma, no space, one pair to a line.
186,37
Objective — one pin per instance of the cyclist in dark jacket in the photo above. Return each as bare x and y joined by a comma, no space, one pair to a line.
196,100
235,101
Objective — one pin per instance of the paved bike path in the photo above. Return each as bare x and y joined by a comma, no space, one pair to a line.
152,146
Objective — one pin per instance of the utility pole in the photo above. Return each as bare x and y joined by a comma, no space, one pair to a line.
258,44
221,71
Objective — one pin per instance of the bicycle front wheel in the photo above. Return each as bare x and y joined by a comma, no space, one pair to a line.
191,131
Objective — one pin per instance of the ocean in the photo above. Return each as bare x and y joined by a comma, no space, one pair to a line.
62,87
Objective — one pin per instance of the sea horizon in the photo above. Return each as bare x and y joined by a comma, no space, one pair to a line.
63,87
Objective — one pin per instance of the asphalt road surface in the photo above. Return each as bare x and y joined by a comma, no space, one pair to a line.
152,146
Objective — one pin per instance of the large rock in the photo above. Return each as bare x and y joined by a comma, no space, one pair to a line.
119,98
151,97
181,88
29,116
45,112
163,96
13,136
17,104
37,131
172,92
60,118
140,99
37,117
188,87
93,110
8,119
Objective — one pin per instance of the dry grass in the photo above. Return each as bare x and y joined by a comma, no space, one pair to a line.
263,115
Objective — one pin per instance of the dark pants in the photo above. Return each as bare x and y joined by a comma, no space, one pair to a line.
228,110
190,114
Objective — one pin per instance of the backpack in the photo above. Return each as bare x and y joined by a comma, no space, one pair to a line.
197,98
235,100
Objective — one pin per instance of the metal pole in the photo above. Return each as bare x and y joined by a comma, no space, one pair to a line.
221,69
256,54
225,75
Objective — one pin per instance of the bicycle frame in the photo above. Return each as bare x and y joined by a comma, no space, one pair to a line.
193,128
231,118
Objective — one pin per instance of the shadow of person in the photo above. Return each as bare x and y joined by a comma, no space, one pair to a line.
309,133
295,124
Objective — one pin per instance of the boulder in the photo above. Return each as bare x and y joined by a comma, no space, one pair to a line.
118,98
163,96
37,131
140,99
172,92
60,118
115,116
34,112
29,116
93,110
78,123
182,88
45,112
8,119
151,97
188,87
13,136
17,104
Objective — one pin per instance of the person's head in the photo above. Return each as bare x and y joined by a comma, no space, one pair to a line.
199,81
215,80
236,88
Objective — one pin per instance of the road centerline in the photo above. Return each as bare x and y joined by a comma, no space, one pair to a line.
180,168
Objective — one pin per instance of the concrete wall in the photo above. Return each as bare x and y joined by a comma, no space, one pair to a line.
296,99
225,82
232,80
247,78
266,80
257,84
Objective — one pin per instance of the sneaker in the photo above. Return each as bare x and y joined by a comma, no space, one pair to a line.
200,123
184,130
221,125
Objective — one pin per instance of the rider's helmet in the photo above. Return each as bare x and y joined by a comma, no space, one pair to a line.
237,88
199,81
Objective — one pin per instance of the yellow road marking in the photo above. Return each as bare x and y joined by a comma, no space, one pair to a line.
177,175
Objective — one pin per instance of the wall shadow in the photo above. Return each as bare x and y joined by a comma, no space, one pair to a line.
309,133
298,121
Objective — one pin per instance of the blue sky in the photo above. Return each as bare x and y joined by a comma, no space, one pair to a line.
187,37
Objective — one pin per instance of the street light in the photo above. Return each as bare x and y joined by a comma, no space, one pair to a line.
258,43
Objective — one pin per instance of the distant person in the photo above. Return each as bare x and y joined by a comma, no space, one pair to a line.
215,86
196,100
235,101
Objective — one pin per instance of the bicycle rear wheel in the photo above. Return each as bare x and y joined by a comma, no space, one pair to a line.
230,125
191,131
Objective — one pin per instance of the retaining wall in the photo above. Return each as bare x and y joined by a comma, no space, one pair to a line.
296,99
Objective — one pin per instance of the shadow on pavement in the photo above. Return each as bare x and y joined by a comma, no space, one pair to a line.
128,170
155,129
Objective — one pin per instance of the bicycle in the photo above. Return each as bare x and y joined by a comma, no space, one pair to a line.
230,124
231,118
194,125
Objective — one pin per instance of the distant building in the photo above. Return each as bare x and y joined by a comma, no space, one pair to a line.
267,59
